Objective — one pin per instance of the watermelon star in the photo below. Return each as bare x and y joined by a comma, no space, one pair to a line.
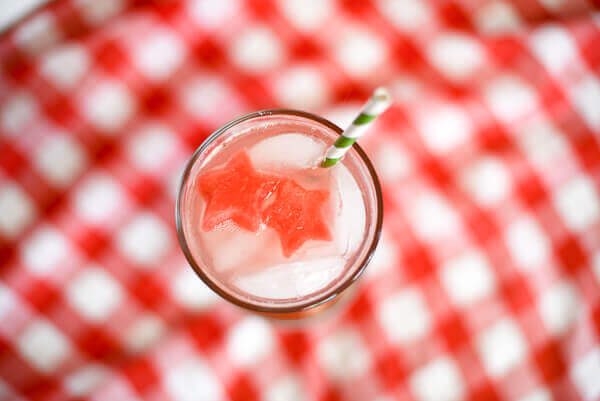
234,192
296,215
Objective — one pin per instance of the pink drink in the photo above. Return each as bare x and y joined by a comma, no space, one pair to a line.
310,232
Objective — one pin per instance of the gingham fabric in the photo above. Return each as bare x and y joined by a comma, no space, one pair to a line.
486,285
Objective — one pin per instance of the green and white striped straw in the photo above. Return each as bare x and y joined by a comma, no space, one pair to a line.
377,104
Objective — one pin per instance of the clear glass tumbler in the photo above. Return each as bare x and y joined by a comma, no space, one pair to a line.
264,124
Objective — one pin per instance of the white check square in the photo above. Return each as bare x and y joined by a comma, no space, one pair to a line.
95,294
468,279
343,355
527,243
60,159
42,345
578,203
44,250
18,210
144,240
250,341
438,380
585,373
502,347
159,54
560,306
404,316
192,380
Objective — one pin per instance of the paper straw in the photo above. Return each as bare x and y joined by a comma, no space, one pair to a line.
377,104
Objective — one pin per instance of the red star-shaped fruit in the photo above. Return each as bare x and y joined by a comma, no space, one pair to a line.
296,215
234,192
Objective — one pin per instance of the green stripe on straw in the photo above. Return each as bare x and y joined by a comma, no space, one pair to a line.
343,142
363,119
329,162
377,104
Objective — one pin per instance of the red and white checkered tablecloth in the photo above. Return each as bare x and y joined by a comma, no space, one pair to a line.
486,285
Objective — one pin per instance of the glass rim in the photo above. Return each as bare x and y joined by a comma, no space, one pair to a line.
276,309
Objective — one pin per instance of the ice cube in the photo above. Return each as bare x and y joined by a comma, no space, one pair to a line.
350,220
231,246
315,275
292,280
273,283
293,150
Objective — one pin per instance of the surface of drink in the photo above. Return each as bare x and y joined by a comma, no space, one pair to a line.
266,226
